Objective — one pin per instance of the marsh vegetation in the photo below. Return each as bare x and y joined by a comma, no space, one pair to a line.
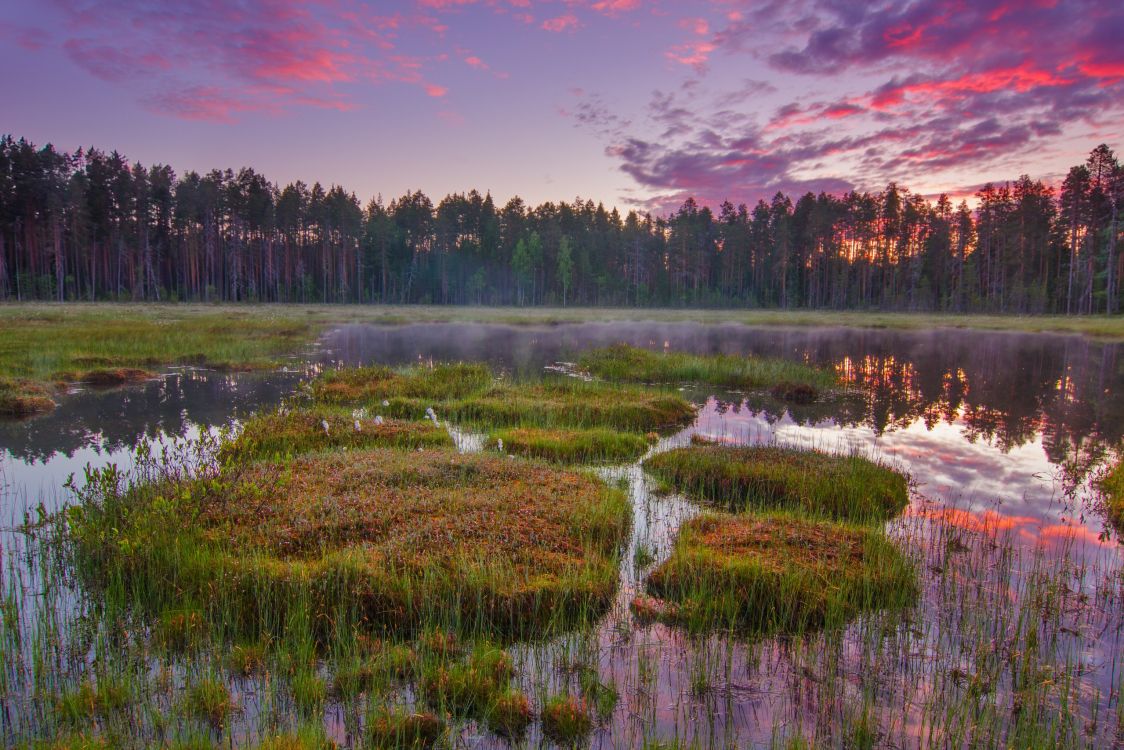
634,568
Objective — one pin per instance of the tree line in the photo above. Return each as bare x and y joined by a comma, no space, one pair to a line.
90,225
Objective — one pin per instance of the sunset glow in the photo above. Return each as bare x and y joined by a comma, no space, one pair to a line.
633,102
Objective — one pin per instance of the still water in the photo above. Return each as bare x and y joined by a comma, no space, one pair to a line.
1001,433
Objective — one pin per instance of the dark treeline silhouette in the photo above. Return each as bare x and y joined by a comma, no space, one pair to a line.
93,226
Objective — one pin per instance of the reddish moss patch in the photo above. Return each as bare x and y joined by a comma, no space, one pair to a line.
778,572
116,376
401,538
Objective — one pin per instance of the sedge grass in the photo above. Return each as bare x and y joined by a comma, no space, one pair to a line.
777,478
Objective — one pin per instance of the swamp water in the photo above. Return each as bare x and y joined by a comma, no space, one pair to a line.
1015,639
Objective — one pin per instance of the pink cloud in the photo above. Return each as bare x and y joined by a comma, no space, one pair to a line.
567,22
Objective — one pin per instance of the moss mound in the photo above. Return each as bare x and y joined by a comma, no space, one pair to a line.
388,538
469,394
769,477
309,430
628,363
571,446
779,573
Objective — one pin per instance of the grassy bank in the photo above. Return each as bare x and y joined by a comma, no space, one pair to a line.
45,347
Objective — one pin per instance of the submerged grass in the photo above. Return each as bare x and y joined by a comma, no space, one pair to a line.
469,394
387,538
628,363
779,573
571,446
772,477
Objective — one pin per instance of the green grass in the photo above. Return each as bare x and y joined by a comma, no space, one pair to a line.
571,446
630,364
391,538
1112,485
291,432
468,394
771,477
209,699
468,687
320,316
779,573
92,699
44,345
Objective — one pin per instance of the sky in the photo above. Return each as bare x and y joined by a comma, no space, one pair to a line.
636,103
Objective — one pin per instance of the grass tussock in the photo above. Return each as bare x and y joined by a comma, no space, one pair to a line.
571,446
469,394
566,719
772,477
395,538
631,364
285,432
779,573
401,730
